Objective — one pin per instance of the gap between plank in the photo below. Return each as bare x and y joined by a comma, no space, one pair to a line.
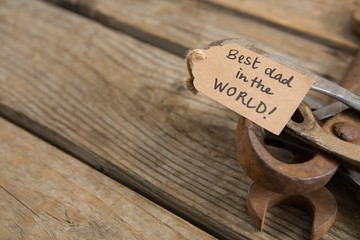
284,28
175,48
113,23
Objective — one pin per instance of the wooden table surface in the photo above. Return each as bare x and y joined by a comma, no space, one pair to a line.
99,140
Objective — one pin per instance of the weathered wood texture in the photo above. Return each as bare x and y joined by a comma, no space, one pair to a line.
119,105
46,194
182,24
326,21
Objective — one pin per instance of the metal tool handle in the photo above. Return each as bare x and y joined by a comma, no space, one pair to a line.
335,91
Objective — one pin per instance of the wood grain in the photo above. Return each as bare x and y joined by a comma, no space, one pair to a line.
46,194
326,21
119,105
179,25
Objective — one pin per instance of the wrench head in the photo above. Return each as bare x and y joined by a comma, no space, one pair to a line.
320,204
266,170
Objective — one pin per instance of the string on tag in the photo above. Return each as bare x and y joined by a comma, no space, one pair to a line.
191,57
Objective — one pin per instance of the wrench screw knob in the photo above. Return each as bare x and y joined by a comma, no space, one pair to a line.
346,132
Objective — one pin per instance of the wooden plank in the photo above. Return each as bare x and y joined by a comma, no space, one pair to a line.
326,21
179,25
118,104
46,194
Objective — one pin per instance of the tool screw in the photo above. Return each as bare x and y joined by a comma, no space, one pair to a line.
346,132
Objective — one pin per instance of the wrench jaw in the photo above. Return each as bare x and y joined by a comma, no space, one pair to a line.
274,174
320,204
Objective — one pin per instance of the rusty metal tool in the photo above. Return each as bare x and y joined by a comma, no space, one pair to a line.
274,174
300,185
321,204
343,126
346,126
309,130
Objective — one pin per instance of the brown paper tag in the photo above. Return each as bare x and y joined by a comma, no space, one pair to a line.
251,84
